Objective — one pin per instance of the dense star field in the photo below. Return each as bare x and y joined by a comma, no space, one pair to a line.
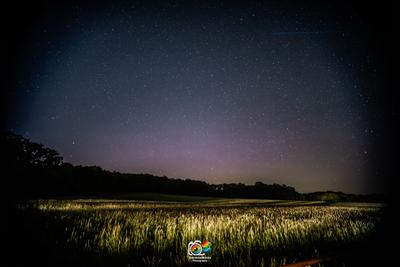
165,133
272,93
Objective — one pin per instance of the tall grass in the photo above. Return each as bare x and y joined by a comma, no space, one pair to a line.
157,234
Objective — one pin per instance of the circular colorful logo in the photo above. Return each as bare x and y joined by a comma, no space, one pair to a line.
198,248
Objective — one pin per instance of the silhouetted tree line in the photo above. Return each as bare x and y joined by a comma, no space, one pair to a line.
33,170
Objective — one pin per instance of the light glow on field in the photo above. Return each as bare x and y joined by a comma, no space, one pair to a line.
264,233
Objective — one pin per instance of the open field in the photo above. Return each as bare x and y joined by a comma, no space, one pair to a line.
243,232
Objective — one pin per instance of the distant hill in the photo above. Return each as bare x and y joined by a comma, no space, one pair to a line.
332,197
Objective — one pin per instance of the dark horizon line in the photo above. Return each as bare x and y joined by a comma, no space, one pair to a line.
246,184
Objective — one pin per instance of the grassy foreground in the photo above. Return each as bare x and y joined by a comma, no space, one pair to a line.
156,233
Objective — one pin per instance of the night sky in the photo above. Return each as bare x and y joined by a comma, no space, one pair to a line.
276,93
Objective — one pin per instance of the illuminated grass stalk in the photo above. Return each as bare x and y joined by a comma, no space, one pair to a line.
267,236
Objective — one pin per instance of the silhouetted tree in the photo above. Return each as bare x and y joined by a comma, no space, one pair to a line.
18,151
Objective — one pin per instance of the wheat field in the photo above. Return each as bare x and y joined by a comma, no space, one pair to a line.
242,232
